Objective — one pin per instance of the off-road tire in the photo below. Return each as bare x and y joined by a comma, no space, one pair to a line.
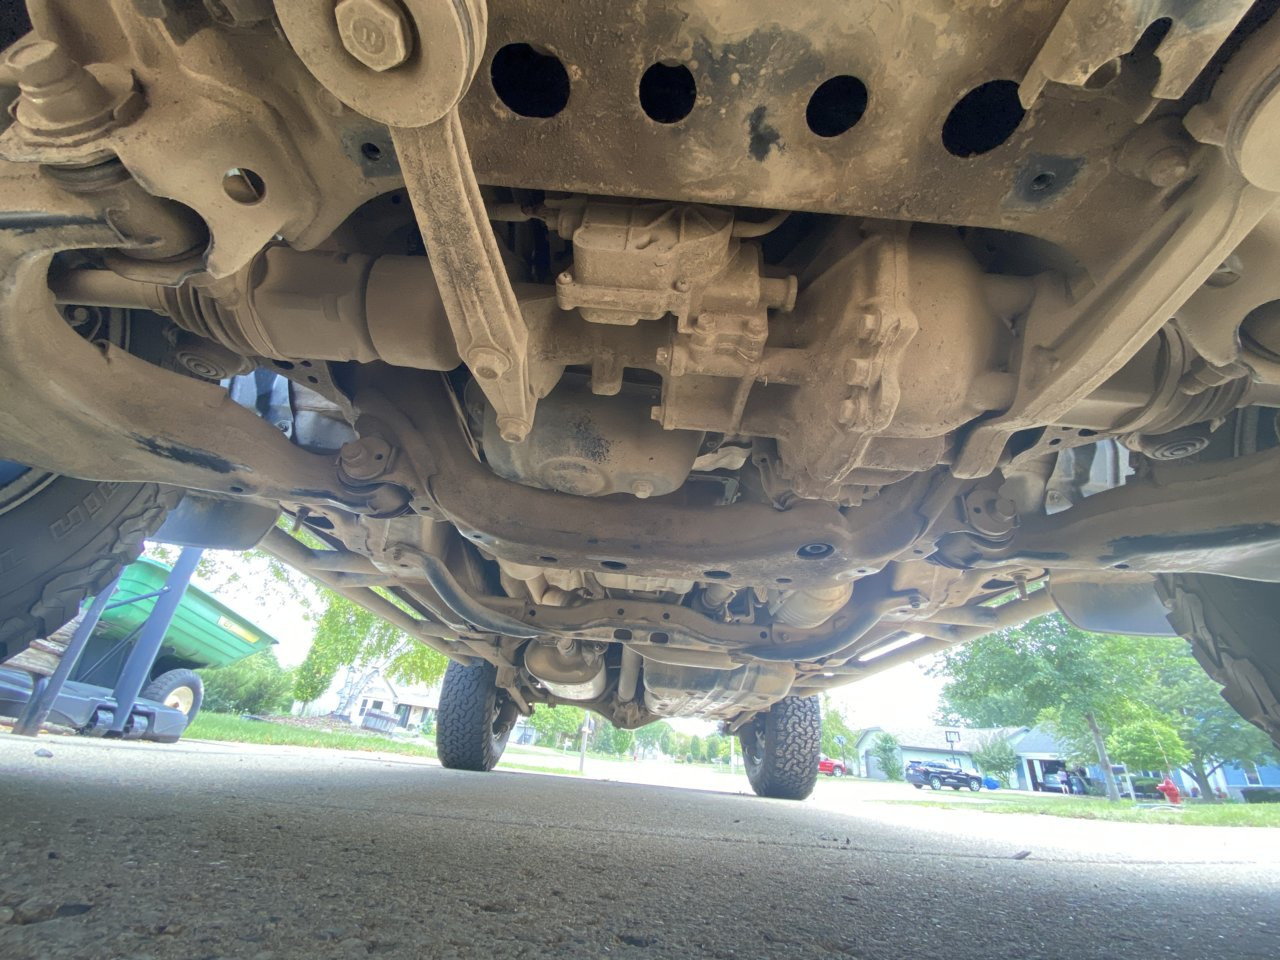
975,785
471,727
165,684
1231,625
780,749
64,541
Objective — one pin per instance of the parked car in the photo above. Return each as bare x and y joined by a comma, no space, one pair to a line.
938,775
1063,783
832,768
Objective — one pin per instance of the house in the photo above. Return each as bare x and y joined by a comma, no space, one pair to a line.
1234,780
357,690
1039,755
953,745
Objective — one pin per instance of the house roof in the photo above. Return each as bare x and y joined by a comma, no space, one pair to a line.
1037,740
418,697
935,738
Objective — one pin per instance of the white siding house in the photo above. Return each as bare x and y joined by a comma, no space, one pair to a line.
357,690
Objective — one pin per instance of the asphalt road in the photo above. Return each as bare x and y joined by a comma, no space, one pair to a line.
121,850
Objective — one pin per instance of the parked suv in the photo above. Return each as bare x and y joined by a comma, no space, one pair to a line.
938,775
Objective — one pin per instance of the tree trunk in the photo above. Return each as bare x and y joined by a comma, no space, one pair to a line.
1202,780
1113,792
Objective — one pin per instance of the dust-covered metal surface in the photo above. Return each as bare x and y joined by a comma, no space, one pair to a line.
749,139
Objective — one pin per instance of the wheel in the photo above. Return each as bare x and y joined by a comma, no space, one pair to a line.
1230,625
837,771
935,783
180,689
918,786
475,718
955,787
780,748
62,539
975,785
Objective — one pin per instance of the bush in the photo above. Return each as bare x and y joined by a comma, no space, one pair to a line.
1145,786
996,757
257,684
1260,794
885,749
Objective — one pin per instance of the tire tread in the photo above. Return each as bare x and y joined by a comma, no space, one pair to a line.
792,743
464,739
1230,625
91,568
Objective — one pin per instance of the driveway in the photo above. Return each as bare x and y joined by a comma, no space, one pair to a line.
202,850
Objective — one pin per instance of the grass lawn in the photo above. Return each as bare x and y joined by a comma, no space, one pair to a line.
1093,808
225,726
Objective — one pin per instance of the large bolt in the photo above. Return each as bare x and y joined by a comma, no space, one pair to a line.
365,459
488,363
41,64
58,95
513,429
375,32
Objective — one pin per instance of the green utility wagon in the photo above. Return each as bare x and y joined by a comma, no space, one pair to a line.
203,633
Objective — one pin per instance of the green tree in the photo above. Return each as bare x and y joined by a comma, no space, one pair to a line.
257,684
995,756
1147,741
885,749
349,635
1147,698
695,749
668,739
714,747
1214,734
681,745
557,724
621,741
654,736
834,725
1080,684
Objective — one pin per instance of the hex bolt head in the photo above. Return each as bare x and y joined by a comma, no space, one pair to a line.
375,32
488,363
365,459
40,64
513,429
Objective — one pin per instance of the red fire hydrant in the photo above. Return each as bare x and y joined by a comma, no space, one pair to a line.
1170,790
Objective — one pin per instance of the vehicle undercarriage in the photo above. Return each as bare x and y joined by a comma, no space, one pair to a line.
682,360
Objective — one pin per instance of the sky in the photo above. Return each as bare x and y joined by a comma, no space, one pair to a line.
904,695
